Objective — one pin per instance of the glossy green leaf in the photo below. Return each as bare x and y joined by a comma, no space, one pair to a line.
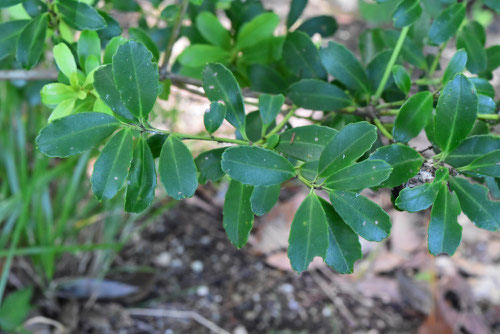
79,15
473,148
324,25
104,84
371,42
111,168
270,107
209,165
9,3
447,23
401,78
410,51
493,56
237,214
256,166
315,94
485,105
343,243
136,77
455,112
177,169
155,143
111,30
477,60
456,65
406,13
15,307
139,35
305,142
253,127
417,198
364,174
9,34
212,30
296,9
364,216
488,164
63,109
221,85
265,79
198,55
302,56
258,29
308,234
444,233
343,65
141,182
111,48
88,44
65,61
346,146
483,86
75,133
405,162
413,116
32,41
376,68
475,203
264,198
214,116
54,93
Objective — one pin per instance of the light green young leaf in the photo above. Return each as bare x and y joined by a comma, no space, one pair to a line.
111,168
88,44
212,30
365,174
141,182
413,116
308,233
270,107
305,142
456,65
347,146
65,62
302,56
31,41
256,166
54,93
364,216
74,134
264,198
444,233
198,55
447,23
258,29
315,94
237,214
177,169
63,109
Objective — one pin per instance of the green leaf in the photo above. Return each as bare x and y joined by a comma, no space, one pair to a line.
63,109
305,142
139,35
324,25
104,84
65,61
258,29
75,133
315,94
214,116
111,30
376,68
405,161
88,44
406,13
444,233
477,60
54,93
343,65
475,203
270,107
365,217
212,30
267,51
455,112
111,48
264,198
493,55
483,87
473,148
417,198
488,164
365,174
253,127
237,214
343,243
347,146
401,78
209,165
296,9
256,166
447,23
136,77
9,3
15,308
302,57
410,51
308,233
221,85
413,116
9,34
456,65
265,79
198,55
111,168
493,4
141,182
371,42
177,169
32,41
79,15
485,105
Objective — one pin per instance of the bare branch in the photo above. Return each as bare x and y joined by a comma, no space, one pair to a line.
48,74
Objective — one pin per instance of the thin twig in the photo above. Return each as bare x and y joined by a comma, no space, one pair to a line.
38,74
